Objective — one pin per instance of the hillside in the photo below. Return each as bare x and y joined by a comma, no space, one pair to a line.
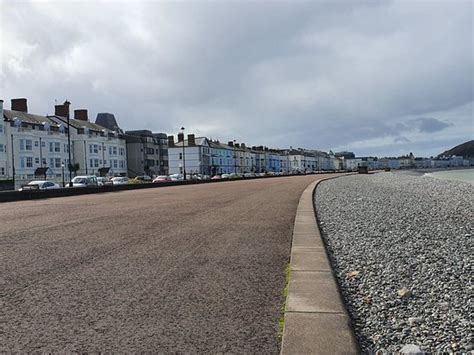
465,150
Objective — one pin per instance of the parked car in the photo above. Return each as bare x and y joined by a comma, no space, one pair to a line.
102,181
216,177
162,178
248,175
120,180
39,185
143,178
225,176
84,181
176,177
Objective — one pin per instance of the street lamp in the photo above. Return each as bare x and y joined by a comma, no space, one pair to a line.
68,144
62,167
235,158
288,156
184,159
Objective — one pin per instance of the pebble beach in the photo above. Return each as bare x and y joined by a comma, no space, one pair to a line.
401,248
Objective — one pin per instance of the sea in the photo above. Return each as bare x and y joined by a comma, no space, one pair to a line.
466,175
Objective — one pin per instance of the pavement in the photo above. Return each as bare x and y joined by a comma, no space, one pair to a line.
194,269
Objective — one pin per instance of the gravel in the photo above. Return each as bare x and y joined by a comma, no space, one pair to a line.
401,249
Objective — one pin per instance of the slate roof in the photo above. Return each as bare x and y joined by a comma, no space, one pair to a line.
28,118
80,124
198,140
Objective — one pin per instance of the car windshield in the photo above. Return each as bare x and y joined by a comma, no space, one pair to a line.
79,181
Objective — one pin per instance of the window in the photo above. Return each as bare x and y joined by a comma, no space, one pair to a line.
91,163
36,143
121,164
57,147
2,170
44,161
51,162
96,163
180,156
96,148
115,163
105,162
2,149
90,148
114,150
122,151
22,162
1,131
110,150
51,147
57,162
43,144
37,161
29,162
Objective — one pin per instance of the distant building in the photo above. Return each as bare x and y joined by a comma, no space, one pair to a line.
192,154
147,153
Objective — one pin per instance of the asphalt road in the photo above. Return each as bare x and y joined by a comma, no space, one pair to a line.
186,268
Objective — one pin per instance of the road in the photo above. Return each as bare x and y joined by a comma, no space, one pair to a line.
185,268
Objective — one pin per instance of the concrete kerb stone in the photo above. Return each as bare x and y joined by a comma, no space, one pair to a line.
316,321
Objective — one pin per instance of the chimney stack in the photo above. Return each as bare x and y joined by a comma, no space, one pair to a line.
81,115
170,141
62,110
20,105
180,137
1,109
230,144
191,139
237,145
242,145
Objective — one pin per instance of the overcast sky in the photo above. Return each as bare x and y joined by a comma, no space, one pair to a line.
375,77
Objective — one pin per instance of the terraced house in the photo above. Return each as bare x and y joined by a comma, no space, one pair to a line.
32,146
96,150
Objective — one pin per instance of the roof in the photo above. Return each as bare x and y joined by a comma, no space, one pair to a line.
107,120
198,140
80,124
10,115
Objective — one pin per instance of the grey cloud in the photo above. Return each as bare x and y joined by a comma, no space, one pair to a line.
312,74
430,125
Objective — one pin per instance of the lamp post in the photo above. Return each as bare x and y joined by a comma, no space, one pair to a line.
288,156
69,144
62,167
184,159
13,161
235,158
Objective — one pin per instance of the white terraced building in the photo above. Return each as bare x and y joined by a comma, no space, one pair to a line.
34,146
96,149
196,159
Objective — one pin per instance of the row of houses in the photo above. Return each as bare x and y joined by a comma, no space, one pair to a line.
201,155
34,145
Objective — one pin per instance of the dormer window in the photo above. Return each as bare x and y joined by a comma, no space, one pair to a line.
47,126
62,129
17,122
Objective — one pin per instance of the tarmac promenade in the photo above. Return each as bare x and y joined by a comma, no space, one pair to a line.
197,268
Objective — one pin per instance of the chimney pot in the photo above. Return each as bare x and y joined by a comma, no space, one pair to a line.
237,145
20,105
230,144
81,115
180,137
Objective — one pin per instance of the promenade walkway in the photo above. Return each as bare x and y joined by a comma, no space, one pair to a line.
191,268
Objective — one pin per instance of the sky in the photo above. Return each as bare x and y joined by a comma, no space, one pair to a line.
380,78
